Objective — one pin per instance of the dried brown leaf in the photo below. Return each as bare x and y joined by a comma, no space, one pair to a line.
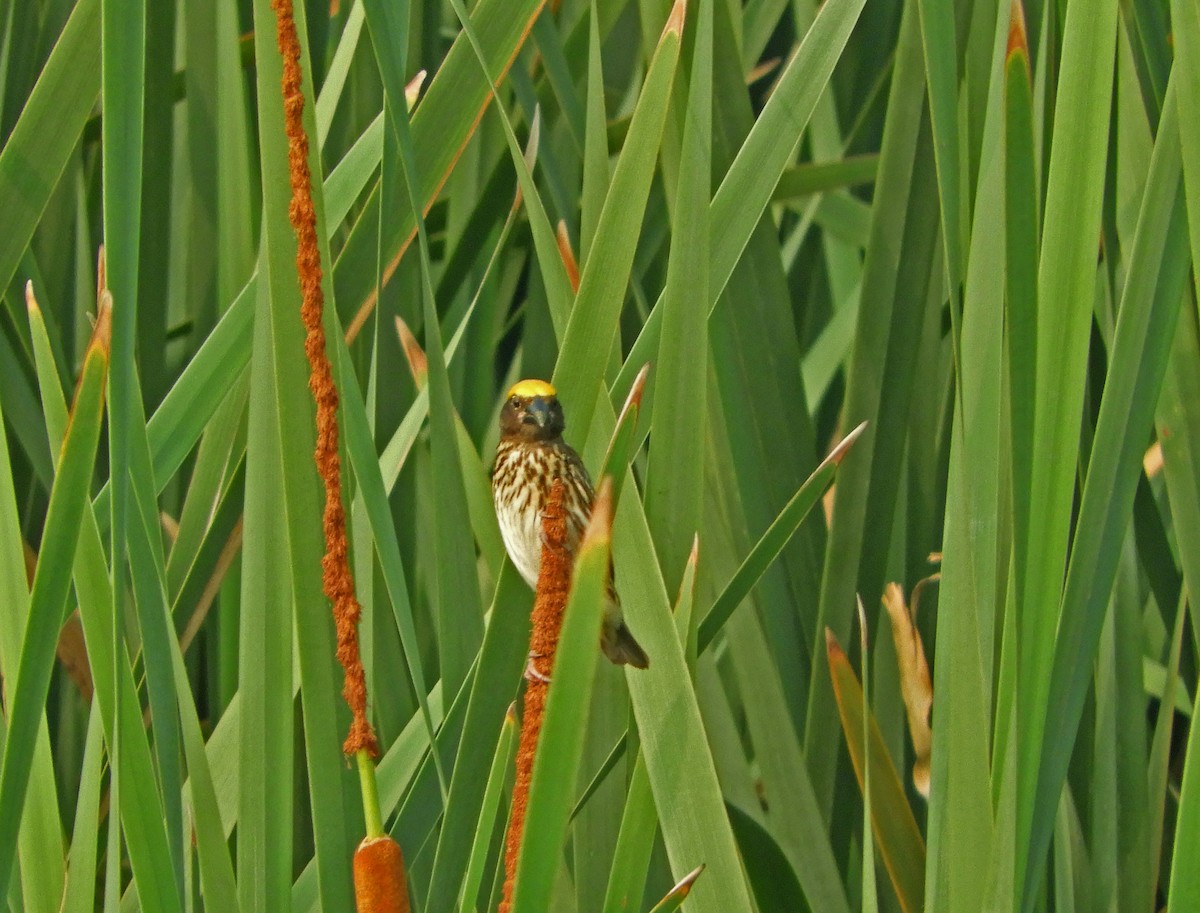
916,686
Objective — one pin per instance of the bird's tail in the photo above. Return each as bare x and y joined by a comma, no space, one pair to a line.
622,647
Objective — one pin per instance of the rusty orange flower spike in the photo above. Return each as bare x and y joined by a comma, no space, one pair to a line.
553,585
379,882
335,566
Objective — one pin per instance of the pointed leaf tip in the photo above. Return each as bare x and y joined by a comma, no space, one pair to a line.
684,886
629,411
31,302
599,528
412,91
530,154
102,332
843,447
832,647
418,364
1018,42
636,390
694,556
568,256
676,19
862,625
535,134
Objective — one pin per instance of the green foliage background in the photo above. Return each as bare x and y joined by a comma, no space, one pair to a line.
803,217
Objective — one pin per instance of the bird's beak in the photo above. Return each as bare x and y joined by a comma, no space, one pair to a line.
537,412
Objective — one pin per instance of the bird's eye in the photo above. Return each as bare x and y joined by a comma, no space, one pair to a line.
515,402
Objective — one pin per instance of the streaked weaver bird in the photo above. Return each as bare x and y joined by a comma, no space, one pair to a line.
530,456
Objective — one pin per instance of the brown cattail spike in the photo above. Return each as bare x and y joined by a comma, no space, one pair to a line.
337,581
379,881
553,586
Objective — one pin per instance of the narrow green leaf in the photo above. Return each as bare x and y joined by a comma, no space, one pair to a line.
685,622
550,44
79,895
974,538
334,84
217,461
1177,422
123,97
48,597
606,767
639,826
595,146
489,806
41,841
771,543
1184,892
1066,276
793,816
870,890
1185,886
674,474
818,177
53,405
157,636
264,729
938,40
1021,237
216,868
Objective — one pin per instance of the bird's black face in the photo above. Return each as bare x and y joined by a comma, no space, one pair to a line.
532,418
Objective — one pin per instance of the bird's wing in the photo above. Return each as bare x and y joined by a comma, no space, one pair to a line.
579,510
578,497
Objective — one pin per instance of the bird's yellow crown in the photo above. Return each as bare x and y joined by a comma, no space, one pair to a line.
532,387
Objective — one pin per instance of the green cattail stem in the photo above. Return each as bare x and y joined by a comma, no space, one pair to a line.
370,793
